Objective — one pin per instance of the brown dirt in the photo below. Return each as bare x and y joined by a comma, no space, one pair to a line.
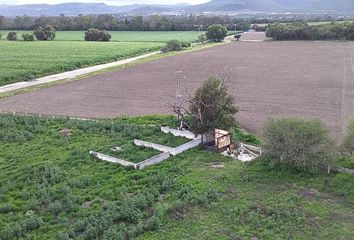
268,79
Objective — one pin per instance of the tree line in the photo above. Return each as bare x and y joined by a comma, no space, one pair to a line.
304,31
115,23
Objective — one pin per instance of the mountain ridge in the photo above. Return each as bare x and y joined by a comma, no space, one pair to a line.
75,8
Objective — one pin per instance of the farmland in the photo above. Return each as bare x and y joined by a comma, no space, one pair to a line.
50,188
123,36
27,60
268,79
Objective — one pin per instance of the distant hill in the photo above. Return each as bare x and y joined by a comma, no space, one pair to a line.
71,9
277,5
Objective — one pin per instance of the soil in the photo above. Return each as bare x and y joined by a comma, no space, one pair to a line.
267,79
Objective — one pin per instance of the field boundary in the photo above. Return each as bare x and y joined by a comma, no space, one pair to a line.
71,74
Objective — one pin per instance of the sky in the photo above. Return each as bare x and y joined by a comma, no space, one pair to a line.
109,2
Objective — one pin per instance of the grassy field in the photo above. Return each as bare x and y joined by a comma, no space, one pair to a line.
50,188
122,36
26,60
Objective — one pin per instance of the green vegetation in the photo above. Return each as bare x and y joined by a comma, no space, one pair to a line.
50,188
216,33
297,144
48,33
27,37
175,45
27,60
304,31
97,35
348,142
12,36
125,36
212,107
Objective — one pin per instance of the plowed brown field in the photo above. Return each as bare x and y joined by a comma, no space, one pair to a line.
268,79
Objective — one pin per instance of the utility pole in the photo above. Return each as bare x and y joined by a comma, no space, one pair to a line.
178,103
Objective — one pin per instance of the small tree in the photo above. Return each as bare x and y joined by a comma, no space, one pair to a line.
348,141
27,37
212,107
216,33
302,145
12,36
48,33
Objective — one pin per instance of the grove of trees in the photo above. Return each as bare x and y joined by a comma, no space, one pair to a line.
304,31
118,23
94,34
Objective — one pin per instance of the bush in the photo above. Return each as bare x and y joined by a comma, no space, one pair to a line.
348,141
296,144
0,36
97,35
48,33
216,33
12,36
27,37
175,45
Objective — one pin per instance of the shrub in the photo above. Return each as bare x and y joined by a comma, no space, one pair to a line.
216,33
301,145
94,34
202,38
12,36
0,36
212,107
48,33
27,37
348,141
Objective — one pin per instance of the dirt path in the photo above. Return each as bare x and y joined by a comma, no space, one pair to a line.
71,74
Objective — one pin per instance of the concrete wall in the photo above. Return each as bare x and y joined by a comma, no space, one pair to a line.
185,147
179,133
112,159
155,146
154,160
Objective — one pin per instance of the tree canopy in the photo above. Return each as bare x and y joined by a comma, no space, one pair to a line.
216,33
212,107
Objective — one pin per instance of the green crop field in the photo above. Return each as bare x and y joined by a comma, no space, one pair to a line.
50,188
26,60
123,36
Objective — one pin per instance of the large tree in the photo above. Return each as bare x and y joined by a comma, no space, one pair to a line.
212,107
216,33
47,33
